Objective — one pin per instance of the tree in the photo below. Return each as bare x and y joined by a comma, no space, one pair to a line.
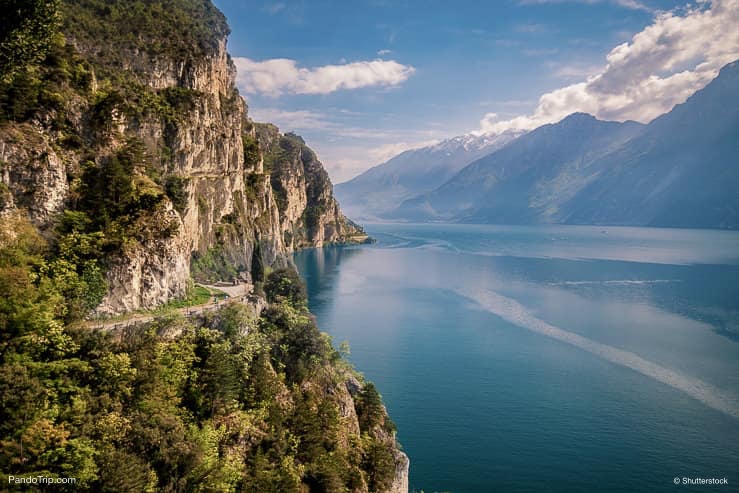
285,285
26,33
369,407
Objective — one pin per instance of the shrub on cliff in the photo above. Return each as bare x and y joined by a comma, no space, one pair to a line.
285,284
25,34
229,403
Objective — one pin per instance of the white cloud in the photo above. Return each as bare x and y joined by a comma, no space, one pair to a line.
629,4
291,120
281,75
274,8
384,52
576,71
661,66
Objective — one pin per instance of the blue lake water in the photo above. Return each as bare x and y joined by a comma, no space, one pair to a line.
562,358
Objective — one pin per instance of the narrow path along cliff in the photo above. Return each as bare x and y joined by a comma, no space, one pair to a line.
240,293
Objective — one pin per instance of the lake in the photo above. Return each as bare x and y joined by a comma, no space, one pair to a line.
553,358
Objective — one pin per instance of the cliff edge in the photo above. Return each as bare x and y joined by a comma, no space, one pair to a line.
129,168
135,115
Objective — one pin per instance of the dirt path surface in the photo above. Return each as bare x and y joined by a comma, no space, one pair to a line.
232,291
239,292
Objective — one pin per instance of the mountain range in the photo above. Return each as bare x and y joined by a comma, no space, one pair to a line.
679,170
381,189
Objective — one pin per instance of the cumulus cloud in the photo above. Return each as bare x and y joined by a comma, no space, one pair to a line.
661,66
281,75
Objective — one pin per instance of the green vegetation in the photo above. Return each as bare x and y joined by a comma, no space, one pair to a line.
285,285
230,403
212,266
176,189
251,150
116,196
121,201
32,88
75,263
254,185
196,295
26,33
49,74
114,29
258,269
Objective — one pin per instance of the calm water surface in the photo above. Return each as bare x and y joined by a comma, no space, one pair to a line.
563,358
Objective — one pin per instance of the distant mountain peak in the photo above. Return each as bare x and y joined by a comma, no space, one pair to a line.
679,170
578,117
473,141
729,68
413,172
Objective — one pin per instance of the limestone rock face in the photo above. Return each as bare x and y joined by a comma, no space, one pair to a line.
309,213
32,175
156,154
233,214
402,466
149,273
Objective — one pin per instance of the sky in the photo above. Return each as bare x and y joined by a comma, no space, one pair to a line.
364,80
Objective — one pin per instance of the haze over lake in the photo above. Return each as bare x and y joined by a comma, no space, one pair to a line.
554,358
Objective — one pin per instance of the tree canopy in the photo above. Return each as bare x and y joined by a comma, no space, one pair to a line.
26,33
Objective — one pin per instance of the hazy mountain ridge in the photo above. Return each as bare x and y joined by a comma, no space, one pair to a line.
536,165
681,169
383,187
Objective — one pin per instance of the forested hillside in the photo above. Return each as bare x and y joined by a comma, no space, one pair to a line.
128,170
231,401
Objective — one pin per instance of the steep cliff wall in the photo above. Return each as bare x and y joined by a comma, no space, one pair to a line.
165,106
309,213
130,150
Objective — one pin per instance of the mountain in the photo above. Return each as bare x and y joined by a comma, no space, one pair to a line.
129,170
523,181
383,187
681,170
146,138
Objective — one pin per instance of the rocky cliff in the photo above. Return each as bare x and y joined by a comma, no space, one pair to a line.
212,194
129,149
